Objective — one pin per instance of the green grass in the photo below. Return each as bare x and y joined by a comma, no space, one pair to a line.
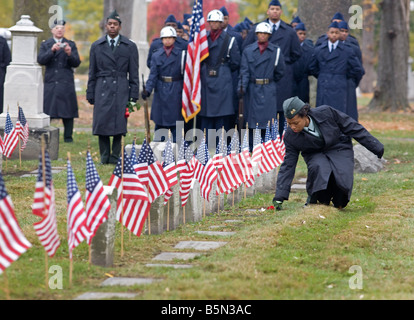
293,254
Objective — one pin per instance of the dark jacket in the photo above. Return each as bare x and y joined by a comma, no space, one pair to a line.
167,102
260,100
60,99
286,38
216,91
333,71
113,81
301,72
334,155
157,44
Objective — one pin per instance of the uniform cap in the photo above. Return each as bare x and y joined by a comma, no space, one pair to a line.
215,15
296,20
292,106
334,25
343,25
247,20
338,16
275,3
300,26
224,11
171,19
115,16
168,32
264,27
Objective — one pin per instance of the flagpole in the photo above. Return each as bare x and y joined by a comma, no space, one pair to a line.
70,252
248,143
18,136
44,206
122,197
89,246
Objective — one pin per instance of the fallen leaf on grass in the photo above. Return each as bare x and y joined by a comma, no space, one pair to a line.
322,217
364,179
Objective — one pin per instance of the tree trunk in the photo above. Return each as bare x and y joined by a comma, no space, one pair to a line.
317,14
124,9
368,47
391,92
38,10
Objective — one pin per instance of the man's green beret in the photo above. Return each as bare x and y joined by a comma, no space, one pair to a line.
115,16
292,106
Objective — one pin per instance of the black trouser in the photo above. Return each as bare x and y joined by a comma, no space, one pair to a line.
333,193
68,130
105,149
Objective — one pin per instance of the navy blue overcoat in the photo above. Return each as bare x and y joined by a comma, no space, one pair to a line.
59,98
167,102
260,105
113,81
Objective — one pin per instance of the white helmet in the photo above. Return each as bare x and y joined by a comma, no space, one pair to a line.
168,32
215,15
264,27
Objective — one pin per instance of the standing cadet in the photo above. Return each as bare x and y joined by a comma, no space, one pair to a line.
353,83
262,67
113,83
166,79
301,66
5,59
333,63
60,56
157,42
217,108
285,37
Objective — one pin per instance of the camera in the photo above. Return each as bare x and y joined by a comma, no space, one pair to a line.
63,45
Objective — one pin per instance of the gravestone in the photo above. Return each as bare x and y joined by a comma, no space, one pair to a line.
366,161
103,244
24,86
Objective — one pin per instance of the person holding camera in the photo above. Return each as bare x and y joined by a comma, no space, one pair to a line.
60,57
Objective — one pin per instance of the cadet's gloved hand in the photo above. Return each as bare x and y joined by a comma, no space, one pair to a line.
91,101
380,155
278,205
145,94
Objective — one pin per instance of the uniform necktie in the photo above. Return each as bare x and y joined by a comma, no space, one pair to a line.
112,44
274,28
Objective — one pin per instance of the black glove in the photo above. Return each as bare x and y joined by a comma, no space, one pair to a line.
380,155
91,101
133,100
277,204
145,94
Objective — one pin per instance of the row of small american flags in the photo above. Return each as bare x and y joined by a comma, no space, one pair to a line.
140,180
12,134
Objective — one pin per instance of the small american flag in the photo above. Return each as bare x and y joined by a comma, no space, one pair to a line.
170,170
77,229
186,171
197,52
141,164
257,146
218,157
11,138
133,210
44,207
268,160
97,202
22,128
231,174
158,183
12,240
208,173
277,144
246,162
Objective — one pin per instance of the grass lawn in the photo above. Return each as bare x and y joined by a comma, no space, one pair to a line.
293,254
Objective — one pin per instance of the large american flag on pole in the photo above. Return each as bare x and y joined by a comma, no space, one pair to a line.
22,128
77,229
44,207
197,52
12,240
133,205
11,137
97,203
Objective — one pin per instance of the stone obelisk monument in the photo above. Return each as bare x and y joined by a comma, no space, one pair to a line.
24,87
